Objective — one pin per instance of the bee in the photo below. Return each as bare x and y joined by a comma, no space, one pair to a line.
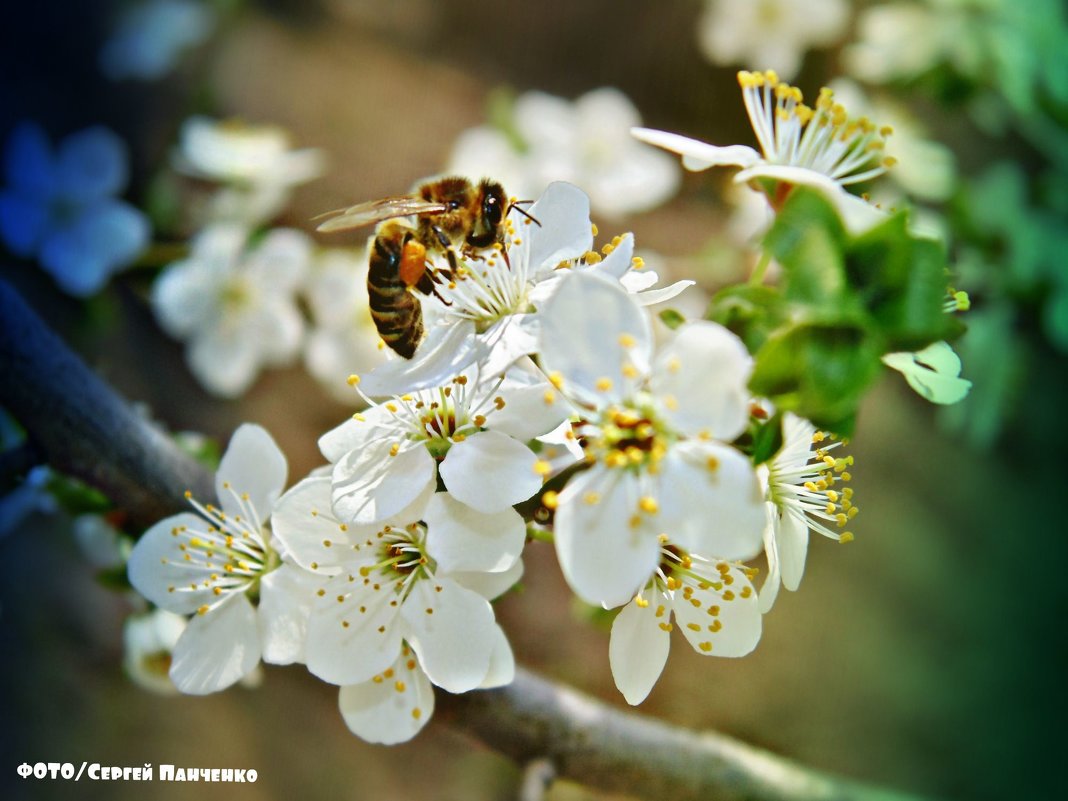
450,214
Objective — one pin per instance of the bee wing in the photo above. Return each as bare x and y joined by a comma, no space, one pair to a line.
375,211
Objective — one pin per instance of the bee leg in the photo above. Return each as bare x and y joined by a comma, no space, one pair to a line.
426,286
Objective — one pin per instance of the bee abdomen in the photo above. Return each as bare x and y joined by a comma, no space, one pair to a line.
396,311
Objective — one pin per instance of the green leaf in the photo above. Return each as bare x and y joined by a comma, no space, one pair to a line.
671,318
751,312
767,439
817,371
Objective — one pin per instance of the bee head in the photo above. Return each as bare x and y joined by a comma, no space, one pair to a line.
488,226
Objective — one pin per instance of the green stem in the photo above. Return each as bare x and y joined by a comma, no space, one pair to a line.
757,278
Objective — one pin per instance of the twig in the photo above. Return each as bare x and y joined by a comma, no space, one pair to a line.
87,430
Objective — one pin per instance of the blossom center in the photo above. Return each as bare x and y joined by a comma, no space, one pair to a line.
630,437
823,139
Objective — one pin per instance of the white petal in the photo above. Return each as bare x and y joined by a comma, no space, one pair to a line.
604,559
507,341
565,231
441,356
255,466
769,591
452,631
723,622
389,710
285,604
792,539
224,360
638,648
371,485
701,376
502,662
710,500
490,585
857,215
532,407
349,654
697,155
618,263
489,471
182,297
158,571
217,648
588,349
651,297
355,434
305,527
462,538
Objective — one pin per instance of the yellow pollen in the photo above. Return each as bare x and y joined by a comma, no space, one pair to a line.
847,536
353,380
359,417
542,467
604,384
629,370
592,498
203,610
549,397
705,646
498,402
392,407
627,341
399,686
480,420
550,499
556,379
649,505
666,626
417,713
641,602
394,449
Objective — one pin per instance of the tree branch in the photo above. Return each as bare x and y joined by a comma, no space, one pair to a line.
84,427
87,430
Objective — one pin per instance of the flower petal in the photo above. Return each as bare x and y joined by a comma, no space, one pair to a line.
565,231
312,537
502,662
532,407
462,538
285,605
157,570
217,648
600,355
719,622
92,164
23,222
697,155
710,500
253,466
489,585
441,356
356,433
638,648
769,591
375,483
604,559
389,711
489,471
29,164
353,631
702,376
452,631
792,540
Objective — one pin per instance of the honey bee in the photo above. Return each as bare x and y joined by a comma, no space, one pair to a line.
451,214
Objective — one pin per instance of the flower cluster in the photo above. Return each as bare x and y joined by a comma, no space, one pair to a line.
537,404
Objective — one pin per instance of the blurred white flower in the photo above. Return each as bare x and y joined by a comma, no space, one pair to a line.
819,147
102,545
713,603
342,340
149,37
148,645
61,206
254,162
775,33
803,492
423,577
654,434
585,143
900,40
209,563
235,305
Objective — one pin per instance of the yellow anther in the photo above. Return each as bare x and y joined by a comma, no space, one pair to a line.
712,464
705,646
728,595
665,626
641,602
394,449
556,379
542,467
593,229
604,384
392,407
358,417
847,536
592,498
649,505
480,420
627,340
637,262
203,610
498,402
549,397
353,380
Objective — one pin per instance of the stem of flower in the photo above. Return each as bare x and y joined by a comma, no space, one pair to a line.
757,278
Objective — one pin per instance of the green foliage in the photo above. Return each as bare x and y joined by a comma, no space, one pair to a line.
671,318
77,498
843,302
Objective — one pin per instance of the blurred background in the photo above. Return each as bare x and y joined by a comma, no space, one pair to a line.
927,655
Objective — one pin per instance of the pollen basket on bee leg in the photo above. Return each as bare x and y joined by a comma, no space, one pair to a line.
413,262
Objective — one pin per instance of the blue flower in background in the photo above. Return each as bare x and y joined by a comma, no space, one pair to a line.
150,37
60,206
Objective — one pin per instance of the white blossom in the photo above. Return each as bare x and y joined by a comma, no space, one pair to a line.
821,147
713,604
423,578
655,428
148,641
491,310
207,564
342,336
234,305
805,490
255,164
585,142
772,32
471,433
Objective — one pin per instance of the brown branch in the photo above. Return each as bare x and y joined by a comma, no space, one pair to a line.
86,429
